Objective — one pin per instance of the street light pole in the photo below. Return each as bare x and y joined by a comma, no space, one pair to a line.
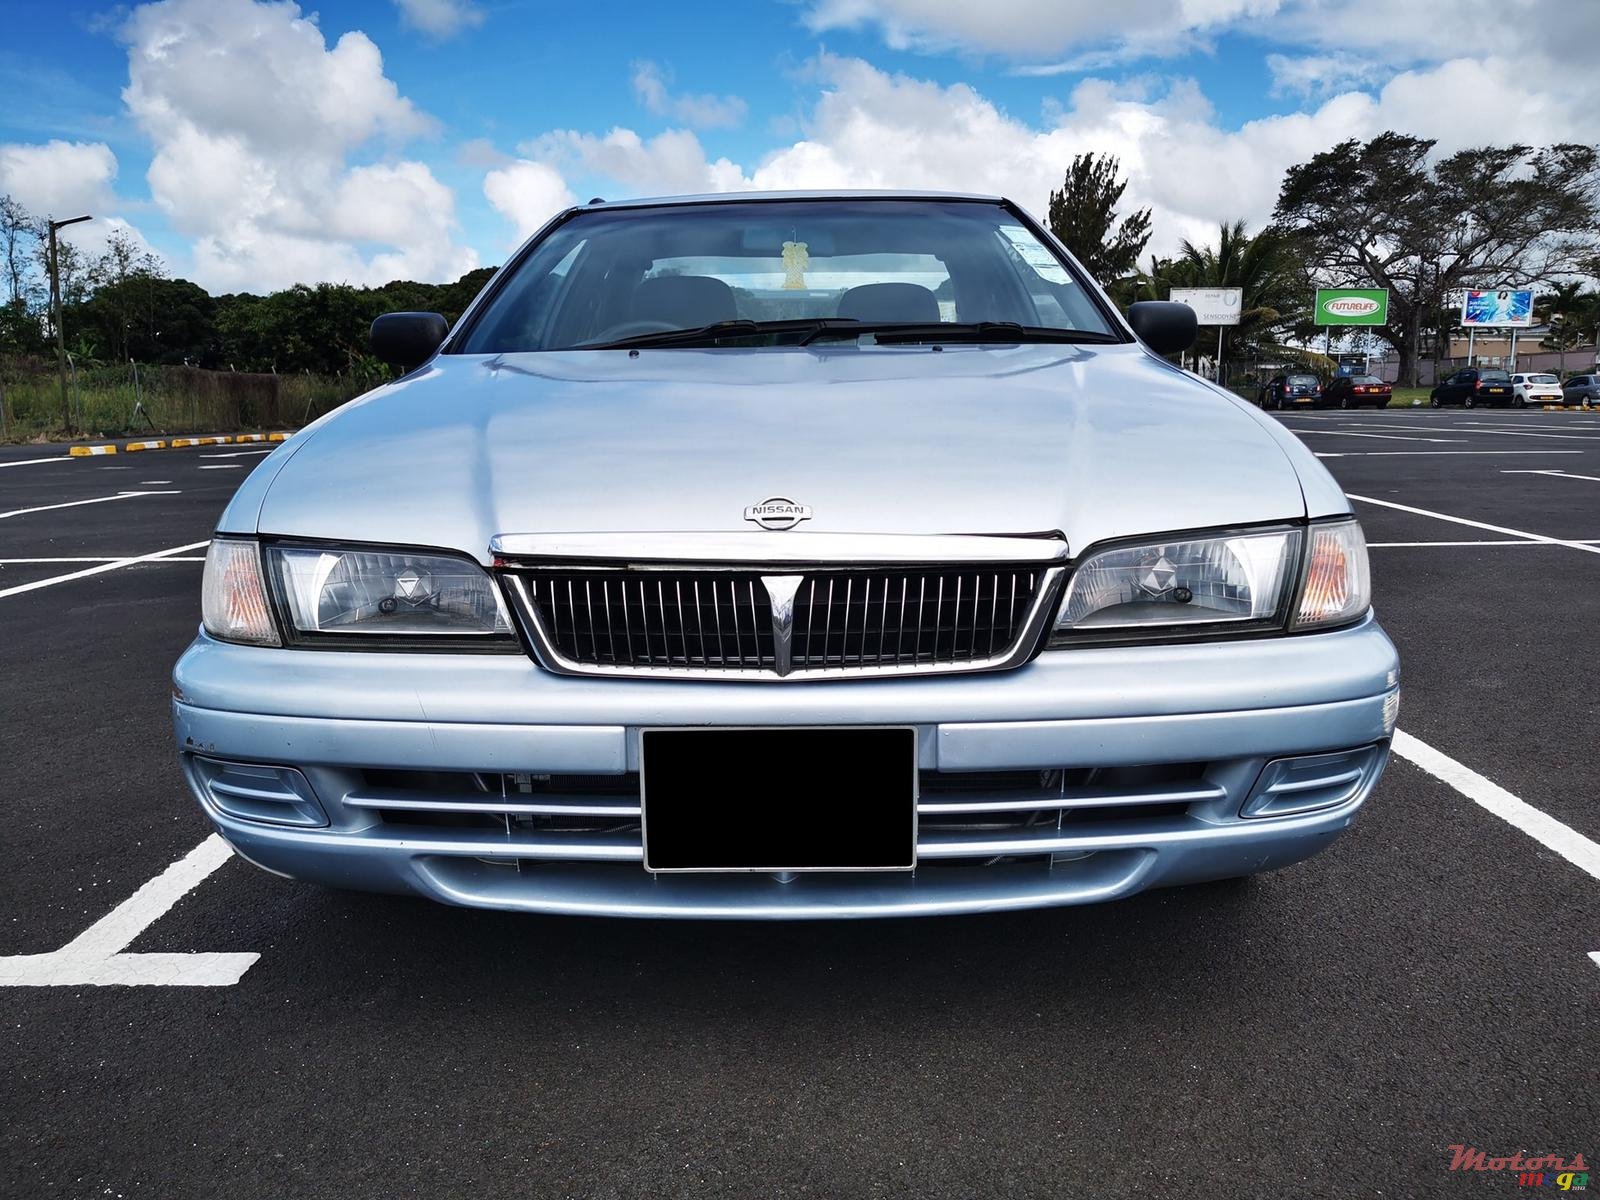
55,313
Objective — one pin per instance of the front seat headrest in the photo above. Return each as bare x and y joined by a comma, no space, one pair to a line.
890,302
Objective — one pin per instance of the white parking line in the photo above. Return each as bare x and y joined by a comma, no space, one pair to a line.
1414,453
113,565
33,462
1486,542
1423,512
1556,474
236,454
103,558
95,957
1389,437
1570,437
1491,432
224,467
1578,850
19,512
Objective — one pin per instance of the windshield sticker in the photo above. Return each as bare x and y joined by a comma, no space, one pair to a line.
1035,255
795,261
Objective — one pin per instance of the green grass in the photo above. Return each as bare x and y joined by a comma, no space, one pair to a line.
1403,396
177,400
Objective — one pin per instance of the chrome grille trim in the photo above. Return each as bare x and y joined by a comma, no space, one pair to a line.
672,550
673,623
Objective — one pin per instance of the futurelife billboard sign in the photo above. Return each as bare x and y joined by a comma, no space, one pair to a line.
1352,306
1212,306
1497,308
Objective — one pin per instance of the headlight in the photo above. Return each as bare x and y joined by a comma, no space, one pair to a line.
327,592
233,600
1215,584
1231,580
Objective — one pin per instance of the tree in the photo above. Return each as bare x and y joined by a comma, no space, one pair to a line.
121,318
1266,268
1571,314
1381,214
148,318
17,232
1083,215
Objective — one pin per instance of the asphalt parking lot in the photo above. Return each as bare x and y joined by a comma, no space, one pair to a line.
1333,1029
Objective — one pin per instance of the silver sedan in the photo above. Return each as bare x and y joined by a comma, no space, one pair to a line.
786,556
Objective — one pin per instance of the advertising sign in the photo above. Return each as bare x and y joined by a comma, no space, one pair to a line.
1502,307
1352,306
1212,306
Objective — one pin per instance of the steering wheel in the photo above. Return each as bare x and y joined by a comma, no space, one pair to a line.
632,328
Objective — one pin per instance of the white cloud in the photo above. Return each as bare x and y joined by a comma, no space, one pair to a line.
440,18
57,178
869,128
671,163
1392,33
254,120
527,194
651,85
1031,28
1310,75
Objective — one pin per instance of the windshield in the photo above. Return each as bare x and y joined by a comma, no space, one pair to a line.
1541,379
1302,381
816,266
1366,380
1494,376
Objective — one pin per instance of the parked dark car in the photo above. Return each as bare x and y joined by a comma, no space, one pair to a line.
1352,391
1298,390
1581,389
1472,386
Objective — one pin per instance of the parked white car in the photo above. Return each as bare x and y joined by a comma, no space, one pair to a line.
1534,388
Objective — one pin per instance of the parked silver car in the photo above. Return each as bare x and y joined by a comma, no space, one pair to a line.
1582,390
802,555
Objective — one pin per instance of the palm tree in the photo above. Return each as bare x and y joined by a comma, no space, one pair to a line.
1264,267
1565,309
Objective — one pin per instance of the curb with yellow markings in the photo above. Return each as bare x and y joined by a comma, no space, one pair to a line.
182,443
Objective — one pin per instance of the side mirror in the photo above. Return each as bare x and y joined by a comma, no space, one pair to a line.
1164,325
408,339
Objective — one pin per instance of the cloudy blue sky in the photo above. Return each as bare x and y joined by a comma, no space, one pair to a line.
254,145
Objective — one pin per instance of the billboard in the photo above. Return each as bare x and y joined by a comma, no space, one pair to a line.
1212,306
1497,307
1352,306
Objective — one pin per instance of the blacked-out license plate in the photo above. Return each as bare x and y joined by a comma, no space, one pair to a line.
790,799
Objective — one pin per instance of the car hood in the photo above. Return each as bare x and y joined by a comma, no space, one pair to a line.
1093,441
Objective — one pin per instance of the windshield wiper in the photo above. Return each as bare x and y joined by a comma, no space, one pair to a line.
718,330
890,333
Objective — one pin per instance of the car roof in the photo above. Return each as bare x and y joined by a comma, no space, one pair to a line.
833,194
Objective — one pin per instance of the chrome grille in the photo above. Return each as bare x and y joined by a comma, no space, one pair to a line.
809,622
895,618
657,618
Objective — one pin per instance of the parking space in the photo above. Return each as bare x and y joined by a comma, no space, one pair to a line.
1327,1030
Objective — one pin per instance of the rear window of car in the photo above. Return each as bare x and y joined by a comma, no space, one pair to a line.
1494,376
1366,380
1302,381
1541,378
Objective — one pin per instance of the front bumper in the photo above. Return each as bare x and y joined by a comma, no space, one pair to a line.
1209,716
